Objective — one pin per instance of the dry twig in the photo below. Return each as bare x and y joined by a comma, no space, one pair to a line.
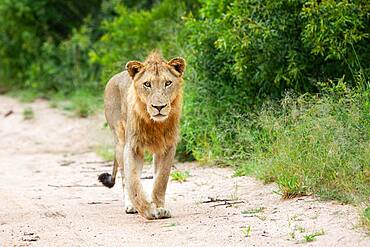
75,185
8,113
225,202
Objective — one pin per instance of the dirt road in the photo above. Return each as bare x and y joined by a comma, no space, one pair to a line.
49,196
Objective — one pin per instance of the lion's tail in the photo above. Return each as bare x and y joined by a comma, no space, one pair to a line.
107,179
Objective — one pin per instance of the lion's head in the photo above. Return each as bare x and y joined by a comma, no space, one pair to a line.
157,83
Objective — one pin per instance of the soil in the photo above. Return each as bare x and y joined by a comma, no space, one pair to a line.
50,196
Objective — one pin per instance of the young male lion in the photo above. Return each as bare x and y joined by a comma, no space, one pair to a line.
142,108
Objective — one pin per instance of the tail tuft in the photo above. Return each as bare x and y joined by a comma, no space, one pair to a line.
106,180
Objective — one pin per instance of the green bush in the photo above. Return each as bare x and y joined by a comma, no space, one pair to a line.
132,34
313,144
29,28
246,52
265,47
64,67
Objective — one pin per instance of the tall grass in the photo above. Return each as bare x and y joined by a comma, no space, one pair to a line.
312,144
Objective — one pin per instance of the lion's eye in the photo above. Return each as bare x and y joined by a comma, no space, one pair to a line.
147,84
168,83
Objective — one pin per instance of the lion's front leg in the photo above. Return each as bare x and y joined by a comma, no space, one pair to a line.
133,165
162,169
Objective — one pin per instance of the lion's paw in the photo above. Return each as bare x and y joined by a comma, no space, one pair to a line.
161,213
129,209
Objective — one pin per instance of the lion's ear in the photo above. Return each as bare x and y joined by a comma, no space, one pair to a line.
178,64
133,67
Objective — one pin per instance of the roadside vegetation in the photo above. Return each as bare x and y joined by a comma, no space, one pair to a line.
275,89
179,176
28,114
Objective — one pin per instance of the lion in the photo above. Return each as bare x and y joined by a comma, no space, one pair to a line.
143,108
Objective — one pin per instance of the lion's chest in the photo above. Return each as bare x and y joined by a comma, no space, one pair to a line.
156,137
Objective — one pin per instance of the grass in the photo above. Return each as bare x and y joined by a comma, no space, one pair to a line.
312,237
314,145
81,103
28,114
53,104
308,144
246,231
105,152
298,231
24,96
179,176
171,224
365,218
254,210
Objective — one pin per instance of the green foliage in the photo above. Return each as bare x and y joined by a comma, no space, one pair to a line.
27,26
365,218
316,145
221,134
64,67
132,34
246,231
179,176
290,186
312,237
264,47
105,152
245,52
143,4
82,103
248,53
25,96
28,113
254,210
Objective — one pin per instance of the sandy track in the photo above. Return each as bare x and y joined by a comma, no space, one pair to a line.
52,150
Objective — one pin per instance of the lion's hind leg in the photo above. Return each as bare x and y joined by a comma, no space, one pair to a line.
107,179
129,207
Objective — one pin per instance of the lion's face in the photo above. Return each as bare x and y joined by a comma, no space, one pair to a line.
157,91
157,84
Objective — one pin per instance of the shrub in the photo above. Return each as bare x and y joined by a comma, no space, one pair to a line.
315,145
132,34
246,52
64,67
265,47
27,26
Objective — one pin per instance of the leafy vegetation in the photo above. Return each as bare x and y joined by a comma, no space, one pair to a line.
105,152
315,145
28,113
246,52
312,237
254,210
25,96
365,218
277,89
246,231
33,37
154,29
179,176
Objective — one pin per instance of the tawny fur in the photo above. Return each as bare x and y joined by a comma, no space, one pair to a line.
143,118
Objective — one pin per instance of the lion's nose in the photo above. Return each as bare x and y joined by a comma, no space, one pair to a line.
159,107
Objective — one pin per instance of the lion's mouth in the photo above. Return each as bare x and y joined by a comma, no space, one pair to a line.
159,117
